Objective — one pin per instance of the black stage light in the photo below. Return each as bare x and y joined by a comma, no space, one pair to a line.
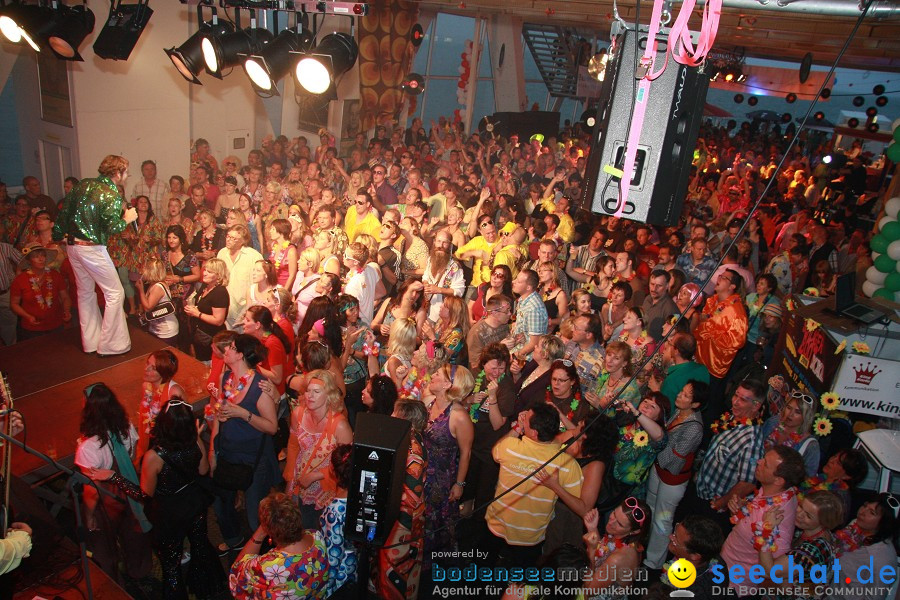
21,22
70,25
188,57
223,51
274,61
122,30
332,57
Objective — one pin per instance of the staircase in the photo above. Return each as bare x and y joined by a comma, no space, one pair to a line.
554,50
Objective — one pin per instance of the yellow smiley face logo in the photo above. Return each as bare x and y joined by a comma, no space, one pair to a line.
682,573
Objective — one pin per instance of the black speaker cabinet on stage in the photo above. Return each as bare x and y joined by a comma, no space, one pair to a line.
525,124
666,146
380,450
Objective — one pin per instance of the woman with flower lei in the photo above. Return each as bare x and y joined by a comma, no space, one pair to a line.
642,435
428,358
634,333
845,470
38,295
564,394
615,381
876,522
616,556
813,543
158,388
451,329
493,406
792,427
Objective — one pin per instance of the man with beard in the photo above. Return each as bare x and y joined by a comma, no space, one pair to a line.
443,275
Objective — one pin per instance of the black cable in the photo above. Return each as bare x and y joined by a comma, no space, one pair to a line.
681,317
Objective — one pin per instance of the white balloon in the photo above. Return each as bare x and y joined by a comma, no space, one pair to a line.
895,125
892,207
869,288
875,276
875,255
893,250
884,221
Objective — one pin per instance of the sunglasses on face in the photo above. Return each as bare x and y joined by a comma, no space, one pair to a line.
487,224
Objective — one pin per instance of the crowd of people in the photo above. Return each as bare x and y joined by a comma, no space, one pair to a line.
583,390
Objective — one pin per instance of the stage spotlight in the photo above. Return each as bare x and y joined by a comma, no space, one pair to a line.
188,57
19,22
69,27
274,61
597,65
827,159
222,51
332,57
123,28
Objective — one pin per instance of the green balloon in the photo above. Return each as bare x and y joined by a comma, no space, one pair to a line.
879,243
885,264
892,282
897,134
893,152
884,294
891,231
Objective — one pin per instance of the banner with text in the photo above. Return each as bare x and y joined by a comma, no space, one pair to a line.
869,385
804,360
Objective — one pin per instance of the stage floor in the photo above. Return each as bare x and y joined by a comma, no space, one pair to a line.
47,375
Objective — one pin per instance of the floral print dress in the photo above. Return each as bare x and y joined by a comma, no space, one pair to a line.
277,575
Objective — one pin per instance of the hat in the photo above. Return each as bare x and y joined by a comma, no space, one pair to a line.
773,309
509,227
50,252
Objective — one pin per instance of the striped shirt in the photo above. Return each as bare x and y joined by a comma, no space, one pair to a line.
9,258
521,517
731,458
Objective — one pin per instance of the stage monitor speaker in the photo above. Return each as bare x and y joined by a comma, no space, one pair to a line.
380,450
525,124
666,146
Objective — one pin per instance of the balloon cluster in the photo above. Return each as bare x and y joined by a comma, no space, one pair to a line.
893,151
883,277
462,86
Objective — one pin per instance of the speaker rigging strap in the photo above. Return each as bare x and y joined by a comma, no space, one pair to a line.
643,71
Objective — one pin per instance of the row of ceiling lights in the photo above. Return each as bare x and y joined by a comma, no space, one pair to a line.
215,47
266,59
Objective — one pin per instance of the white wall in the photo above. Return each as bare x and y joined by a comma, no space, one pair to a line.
509,80
139,108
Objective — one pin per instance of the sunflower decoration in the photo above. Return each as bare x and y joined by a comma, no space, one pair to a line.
811,291
812,325
840,348
861,348
641,439
822,426
830,400
790,304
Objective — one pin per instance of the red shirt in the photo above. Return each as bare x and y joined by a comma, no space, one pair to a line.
40,298
276,356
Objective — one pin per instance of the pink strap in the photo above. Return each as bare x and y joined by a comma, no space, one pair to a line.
640,102
680,43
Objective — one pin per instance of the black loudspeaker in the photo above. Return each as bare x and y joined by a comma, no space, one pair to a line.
124,26
525,124
666,146
380,450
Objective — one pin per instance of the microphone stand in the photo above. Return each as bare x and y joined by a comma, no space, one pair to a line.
76,483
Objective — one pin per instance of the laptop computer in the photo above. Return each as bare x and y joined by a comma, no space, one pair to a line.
845,301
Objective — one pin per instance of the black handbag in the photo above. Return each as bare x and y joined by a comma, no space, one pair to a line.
236,477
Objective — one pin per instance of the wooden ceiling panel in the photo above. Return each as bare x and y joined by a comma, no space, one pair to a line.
770,33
